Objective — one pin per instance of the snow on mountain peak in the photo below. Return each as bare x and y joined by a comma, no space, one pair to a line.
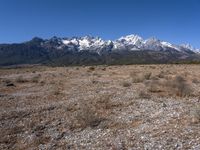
188,46
129,42
133,39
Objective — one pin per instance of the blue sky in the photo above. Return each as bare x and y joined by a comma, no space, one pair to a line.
176,21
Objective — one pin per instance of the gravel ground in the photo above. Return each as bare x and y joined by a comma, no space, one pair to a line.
100,107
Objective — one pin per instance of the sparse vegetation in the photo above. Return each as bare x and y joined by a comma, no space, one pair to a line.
179,86
147,75
195,80
144,94
20,79
126,84
100,109
154,86
195,114
139,77
35,79
92,68
88,116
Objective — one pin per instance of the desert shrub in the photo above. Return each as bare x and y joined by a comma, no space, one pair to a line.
147,75
176,86
35,79
20,79
57,92
195,80
95,82
92,68
104,102
126,84
144,95
89,114
6,81
154,86
139,77
161,74
195,114
135,77
104,69
180,87
154,78
152,67
42,82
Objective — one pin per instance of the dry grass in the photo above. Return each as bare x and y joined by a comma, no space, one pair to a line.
140,77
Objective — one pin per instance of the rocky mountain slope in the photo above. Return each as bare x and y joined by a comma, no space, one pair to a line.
89,50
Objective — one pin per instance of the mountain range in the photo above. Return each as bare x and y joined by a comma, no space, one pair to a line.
88,50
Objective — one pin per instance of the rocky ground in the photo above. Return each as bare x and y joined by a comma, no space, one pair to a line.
100,107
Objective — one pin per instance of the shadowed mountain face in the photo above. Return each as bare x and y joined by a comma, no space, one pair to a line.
88,50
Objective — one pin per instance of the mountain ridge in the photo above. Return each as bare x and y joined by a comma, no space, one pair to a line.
89,50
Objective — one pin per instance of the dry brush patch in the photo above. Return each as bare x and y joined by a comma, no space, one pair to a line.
176,86
138,77
92,112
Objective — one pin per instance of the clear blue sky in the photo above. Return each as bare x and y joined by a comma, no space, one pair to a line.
176,21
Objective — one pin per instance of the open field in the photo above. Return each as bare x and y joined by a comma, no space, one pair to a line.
100,107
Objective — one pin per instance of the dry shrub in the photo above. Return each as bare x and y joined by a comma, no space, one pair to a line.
104,102
87,116
154,78
155,86
135,77
147,75
90,112
144,95
195,114
179,87
95,82
92,68
103,69
195,80
36,79
152,67
20,79
6,81
139,77
126,84
57,92
161,74
176,86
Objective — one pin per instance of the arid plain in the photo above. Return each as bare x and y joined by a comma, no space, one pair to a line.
100,107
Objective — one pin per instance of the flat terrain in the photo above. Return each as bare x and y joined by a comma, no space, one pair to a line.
100,107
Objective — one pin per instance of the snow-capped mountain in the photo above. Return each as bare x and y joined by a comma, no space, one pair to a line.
94,50
98,45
